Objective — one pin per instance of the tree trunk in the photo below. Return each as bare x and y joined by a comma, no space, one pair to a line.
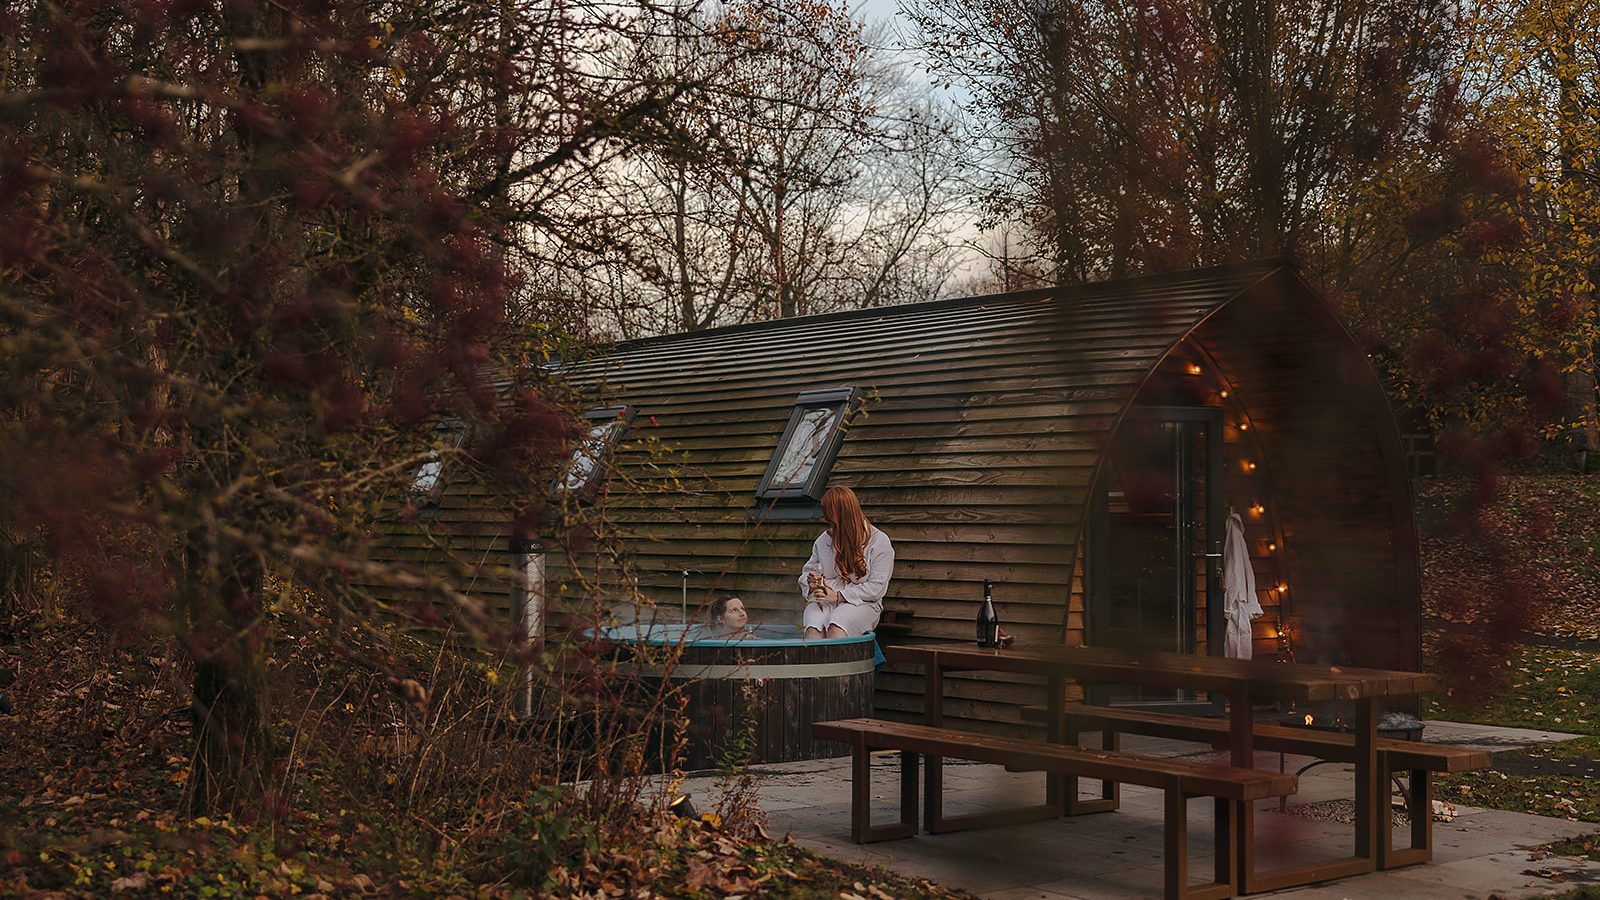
234,755
1581,414
1248,28
1581,410
782,292
688,319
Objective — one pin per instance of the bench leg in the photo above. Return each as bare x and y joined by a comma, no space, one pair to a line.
936,822
1177,852
1226,865
861,829
908,792
1110,791
1371,788
1419,804
1057,787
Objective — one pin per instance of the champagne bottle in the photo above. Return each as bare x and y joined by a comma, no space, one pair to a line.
988,622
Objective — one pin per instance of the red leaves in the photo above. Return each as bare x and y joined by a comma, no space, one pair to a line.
126,594
152,120
1434,219
307,107
1484,163
410,134
1495,234
344,406
528,433
412,401
1546,388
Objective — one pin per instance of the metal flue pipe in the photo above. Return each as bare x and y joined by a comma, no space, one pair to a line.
527,615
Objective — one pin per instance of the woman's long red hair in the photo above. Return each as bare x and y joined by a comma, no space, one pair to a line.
850,528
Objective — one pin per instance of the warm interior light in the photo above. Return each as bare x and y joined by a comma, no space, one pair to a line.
1283,588
1309,719
1249,466
1257,509
1244,426
1223,395
1194,368
1272,546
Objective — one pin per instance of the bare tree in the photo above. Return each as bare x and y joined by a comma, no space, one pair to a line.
1150,136
247,252
810,176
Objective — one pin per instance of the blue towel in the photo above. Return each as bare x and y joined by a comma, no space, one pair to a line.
878,659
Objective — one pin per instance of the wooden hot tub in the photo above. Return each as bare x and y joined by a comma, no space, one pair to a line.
772,684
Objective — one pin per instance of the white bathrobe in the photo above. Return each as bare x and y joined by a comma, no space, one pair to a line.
1239,603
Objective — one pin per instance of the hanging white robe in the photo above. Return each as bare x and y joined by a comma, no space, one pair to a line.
1239,603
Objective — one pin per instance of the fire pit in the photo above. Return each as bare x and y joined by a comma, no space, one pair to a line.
1399,725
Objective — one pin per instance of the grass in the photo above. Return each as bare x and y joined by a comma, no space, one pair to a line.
1585,847
1557,796
1539,688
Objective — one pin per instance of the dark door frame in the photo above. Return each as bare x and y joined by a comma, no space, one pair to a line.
1097,550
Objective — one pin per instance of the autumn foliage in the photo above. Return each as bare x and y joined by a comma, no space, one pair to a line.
249,253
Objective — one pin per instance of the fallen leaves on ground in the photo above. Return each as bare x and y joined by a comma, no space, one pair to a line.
1547,522
96,764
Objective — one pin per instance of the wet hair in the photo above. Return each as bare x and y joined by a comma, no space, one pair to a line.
850,529
720,606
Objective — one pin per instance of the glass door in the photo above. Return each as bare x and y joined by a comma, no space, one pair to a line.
1154,542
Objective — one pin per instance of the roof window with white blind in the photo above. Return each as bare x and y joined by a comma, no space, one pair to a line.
800,465
585,470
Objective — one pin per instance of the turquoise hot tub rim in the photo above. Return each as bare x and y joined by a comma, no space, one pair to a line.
671,635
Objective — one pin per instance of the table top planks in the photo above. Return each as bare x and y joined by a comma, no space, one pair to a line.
1264,679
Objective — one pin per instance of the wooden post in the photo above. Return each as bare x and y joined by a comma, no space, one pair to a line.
1057,786
1241,750
908,791
1177,843
933,714
1368,788
860,789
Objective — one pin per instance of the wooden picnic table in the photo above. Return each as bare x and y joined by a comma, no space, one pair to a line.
1243,682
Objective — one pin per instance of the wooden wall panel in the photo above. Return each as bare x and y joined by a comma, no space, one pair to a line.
976,457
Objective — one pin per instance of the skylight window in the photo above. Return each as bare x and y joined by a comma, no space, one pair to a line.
810,442
583,471
428,482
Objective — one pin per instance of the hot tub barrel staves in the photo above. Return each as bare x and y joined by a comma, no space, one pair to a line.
773,684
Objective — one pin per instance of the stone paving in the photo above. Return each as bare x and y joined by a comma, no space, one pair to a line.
1118,855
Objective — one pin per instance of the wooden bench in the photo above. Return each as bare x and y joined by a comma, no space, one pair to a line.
1179,779
1394,755
894,624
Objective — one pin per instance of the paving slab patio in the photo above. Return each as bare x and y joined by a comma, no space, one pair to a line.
1115,855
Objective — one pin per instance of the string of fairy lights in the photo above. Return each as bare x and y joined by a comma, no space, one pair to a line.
1236,418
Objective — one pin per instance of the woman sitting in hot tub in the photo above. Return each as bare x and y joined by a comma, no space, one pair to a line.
848,573
729,620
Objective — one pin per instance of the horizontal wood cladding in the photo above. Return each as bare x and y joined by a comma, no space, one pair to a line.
986,423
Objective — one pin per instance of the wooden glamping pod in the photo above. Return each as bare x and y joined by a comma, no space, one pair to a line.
1080,446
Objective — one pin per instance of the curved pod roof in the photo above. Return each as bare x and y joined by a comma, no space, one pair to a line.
988,428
